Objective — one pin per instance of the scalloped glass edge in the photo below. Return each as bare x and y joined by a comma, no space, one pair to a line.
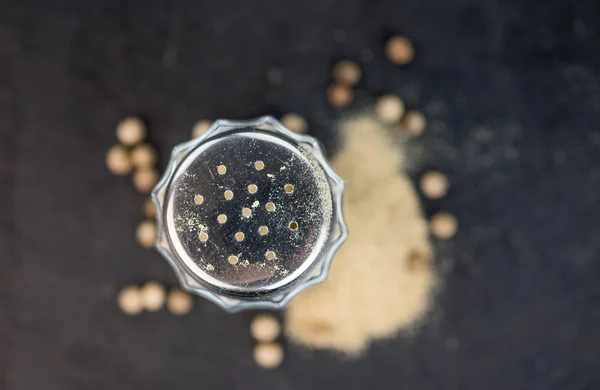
317,275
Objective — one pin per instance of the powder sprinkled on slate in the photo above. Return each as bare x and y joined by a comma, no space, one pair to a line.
370,292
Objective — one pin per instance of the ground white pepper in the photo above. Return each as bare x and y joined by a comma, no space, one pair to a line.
370,292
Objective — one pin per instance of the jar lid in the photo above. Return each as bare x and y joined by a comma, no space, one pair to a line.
249,214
